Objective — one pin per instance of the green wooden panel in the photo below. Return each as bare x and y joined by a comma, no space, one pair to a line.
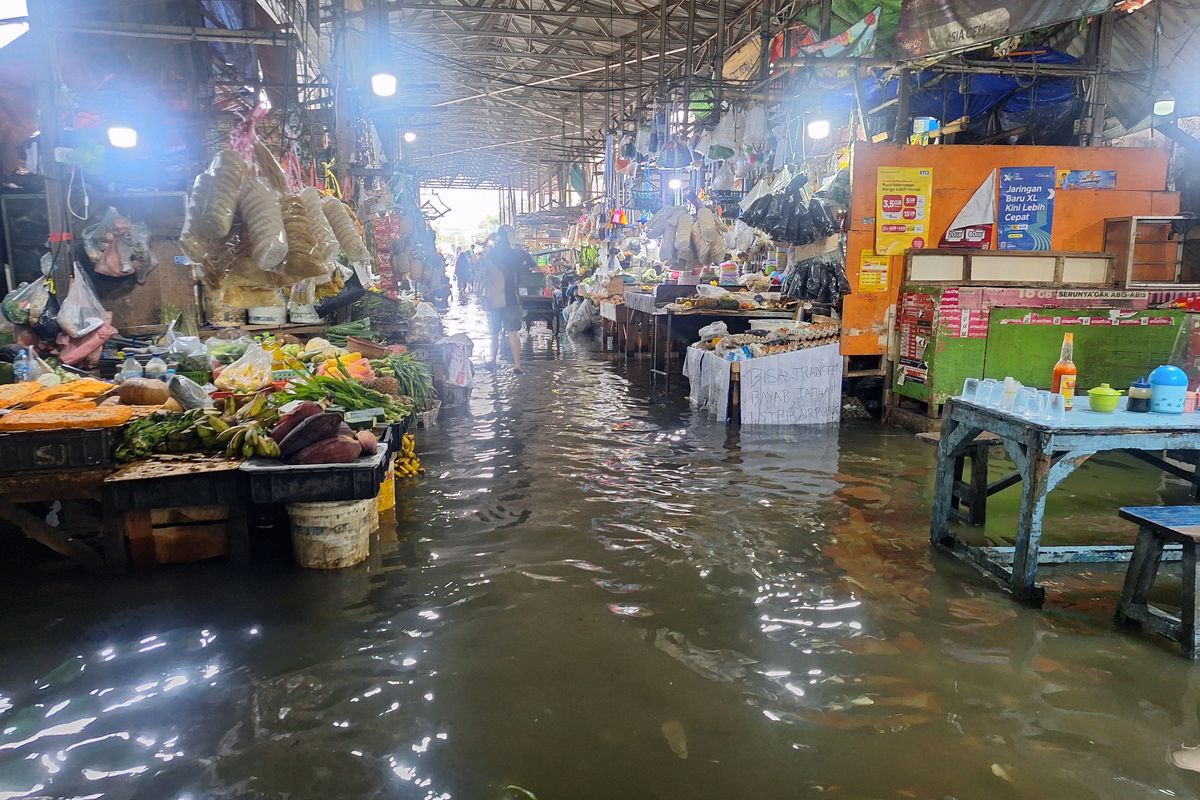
1116,355
954,360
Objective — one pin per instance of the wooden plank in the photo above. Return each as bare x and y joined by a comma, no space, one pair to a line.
57,540
139,534
188,514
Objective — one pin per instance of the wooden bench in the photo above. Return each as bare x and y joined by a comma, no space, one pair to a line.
1160,526
969,499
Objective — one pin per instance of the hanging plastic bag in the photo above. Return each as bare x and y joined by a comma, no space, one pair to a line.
210,206
754,127
117,247
723,141
264,229
82,311
343,228
189,353
85,348
327,242
425,327
642,140
303,260
249,373
24,304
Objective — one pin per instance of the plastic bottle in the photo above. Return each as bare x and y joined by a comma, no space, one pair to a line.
131,368
21,366
1065,373
156,368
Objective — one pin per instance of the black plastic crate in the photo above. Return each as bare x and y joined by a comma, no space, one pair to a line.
32,451
273,482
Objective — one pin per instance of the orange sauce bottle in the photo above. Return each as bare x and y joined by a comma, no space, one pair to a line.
1065,373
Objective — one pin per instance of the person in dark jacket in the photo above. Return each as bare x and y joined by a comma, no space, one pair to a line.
502,267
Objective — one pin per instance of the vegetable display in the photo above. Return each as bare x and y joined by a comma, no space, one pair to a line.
413,377
347,394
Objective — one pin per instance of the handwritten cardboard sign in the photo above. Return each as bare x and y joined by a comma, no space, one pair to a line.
803,387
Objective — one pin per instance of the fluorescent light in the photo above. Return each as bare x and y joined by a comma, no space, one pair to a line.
383,84
674,183
1164,106
122,136
818,129
410,136
563,240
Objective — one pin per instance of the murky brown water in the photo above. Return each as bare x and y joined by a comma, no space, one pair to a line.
595,596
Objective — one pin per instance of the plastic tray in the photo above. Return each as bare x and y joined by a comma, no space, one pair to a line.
273,482
33,451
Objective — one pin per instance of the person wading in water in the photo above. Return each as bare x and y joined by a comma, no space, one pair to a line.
501,267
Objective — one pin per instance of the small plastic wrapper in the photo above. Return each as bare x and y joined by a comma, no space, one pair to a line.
343,227
264,228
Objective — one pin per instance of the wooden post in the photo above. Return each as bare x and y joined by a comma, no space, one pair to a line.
1029,525
1189,636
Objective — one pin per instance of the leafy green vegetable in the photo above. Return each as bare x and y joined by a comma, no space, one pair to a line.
413,375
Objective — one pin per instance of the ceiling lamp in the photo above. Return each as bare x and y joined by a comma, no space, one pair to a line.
674,183
410,136
1164,106
383,84
818,129
122,136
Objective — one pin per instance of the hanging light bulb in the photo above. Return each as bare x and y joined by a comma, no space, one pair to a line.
1164,106
674,183
818,129
410,136
122,136
383,84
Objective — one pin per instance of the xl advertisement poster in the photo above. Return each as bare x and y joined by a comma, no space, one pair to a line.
902,196
1026,208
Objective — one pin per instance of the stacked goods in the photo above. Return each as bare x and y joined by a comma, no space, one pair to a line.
311,435
343,228
785,338
65,415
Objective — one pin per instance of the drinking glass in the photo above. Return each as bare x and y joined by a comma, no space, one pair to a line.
970,390
1026,405
987,393
1044,402
1057,410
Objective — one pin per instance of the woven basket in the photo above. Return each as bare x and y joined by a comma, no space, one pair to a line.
427,419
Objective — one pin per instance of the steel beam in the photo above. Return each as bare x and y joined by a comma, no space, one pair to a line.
179,33
396,6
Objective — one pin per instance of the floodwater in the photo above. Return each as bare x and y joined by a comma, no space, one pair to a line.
592,595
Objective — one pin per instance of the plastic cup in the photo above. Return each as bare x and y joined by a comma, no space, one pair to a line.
1057,409
970,390
984,394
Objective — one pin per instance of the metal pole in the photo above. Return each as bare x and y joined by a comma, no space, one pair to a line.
690,63
719,61
1100,81
903,123
41,25
860,101
637,66
764,38
662,50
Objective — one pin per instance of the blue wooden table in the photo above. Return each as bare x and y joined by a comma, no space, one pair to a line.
1045,453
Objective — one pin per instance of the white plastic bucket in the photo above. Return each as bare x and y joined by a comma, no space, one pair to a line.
331,535
373,516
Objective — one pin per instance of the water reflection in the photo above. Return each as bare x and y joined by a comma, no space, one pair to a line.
591,594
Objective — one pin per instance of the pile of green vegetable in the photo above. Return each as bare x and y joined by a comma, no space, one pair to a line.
345,393
413,377
360,328
160,433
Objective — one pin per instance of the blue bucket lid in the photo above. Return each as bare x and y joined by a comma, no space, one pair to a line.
1166,375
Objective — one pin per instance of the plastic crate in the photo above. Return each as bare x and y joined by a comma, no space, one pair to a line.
273,482
33,451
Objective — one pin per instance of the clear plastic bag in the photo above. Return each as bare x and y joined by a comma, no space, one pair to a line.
303,294
263,220
117,246
227,346
302,261
189,353
214,198
249,373
343,228
327,241
189,393
82,312
24,304
425,327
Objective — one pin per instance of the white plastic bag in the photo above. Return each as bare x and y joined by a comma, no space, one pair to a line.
81,313
713,331
583,316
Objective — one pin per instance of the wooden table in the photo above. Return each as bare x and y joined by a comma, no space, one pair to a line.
1045,453
664,370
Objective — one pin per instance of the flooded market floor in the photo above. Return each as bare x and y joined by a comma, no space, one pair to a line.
591,595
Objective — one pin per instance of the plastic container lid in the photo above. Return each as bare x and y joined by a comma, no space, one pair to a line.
1166,375
1140,383
1104,390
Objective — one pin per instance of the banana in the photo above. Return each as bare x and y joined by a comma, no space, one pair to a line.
248,450
217,424
260,446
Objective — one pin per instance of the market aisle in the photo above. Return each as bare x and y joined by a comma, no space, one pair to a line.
593,595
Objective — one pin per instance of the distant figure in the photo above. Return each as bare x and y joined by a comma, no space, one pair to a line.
462,271
501,268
